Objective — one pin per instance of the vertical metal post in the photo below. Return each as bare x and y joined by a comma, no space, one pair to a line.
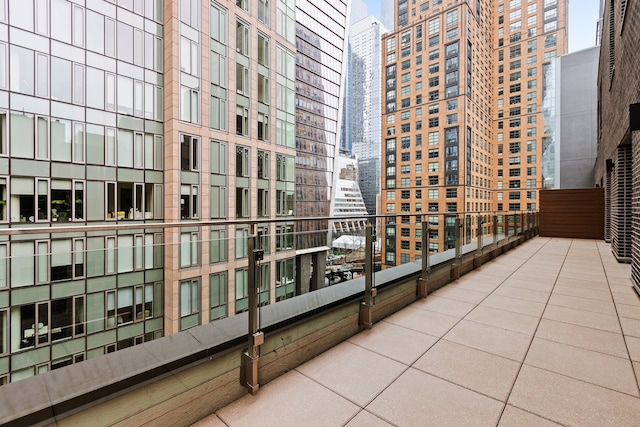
479,249
455,266
521,223
457,237
249,372
366,309
422,289
495,231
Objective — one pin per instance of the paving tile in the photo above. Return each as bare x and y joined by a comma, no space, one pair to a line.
306,402
210,421
428,322
522,293
630,327
395,342
623,289
420,399
516,305
606,322
459,294
475,285
446,306
501,342
529,283
572,402
583,337
586,365
490,270
470,368
633,344
588,293
605,307
630,311
353,372
583,284
509,320
367,419
514,417
626,298
579,275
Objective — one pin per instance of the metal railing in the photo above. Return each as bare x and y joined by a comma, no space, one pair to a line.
476,237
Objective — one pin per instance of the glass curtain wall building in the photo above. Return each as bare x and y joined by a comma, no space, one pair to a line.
320,63
364,105
128,115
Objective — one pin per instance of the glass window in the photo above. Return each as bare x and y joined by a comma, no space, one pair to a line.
61,25
242,38
218,295
22,135
95,22
61,79
21,14
42,75
22,70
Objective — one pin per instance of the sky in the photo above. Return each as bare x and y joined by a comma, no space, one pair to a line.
583,16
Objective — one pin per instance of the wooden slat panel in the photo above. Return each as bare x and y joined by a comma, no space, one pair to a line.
577,213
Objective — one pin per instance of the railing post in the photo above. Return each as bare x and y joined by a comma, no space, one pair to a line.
477,262
521,219
249,372
422,288
455,266
366,309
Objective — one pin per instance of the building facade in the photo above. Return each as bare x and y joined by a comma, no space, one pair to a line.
348,203
364,105
119,118
619,130
570,115
462,121
320,31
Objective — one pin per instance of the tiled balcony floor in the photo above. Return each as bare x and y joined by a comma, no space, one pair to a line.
547,334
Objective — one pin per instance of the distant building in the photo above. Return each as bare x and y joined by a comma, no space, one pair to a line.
570,114
363,110
320,36
130,115
462,121
348,200
388,14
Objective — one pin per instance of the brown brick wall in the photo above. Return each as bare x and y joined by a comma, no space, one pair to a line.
615,94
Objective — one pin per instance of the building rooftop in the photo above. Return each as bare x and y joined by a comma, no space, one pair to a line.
547,334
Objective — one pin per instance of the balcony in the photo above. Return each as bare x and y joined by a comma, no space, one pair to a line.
514,329
548,334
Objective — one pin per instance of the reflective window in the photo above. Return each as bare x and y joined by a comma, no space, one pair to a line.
22,70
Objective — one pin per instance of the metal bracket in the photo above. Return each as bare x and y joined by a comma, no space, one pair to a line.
422,288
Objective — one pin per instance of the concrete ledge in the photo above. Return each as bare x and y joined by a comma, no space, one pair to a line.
182,378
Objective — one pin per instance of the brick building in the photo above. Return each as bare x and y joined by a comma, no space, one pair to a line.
619,129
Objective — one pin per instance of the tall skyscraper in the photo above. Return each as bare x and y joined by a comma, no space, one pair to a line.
321,30
462,124
387,13
364,105
125,116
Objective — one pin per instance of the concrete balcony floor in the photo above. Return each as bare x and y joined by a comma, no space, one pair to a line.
547,334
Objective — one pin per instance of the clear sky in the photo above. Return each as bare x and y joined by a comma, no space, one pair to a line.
583,16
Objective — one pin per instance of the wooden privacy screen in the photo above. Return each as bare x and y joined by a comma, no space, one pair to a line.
577,213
